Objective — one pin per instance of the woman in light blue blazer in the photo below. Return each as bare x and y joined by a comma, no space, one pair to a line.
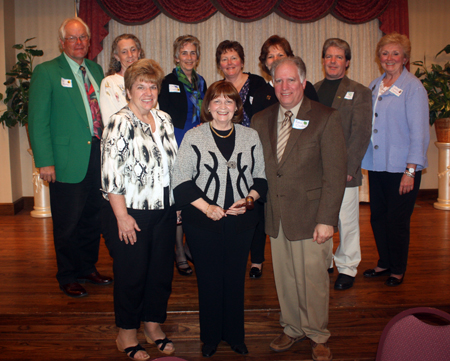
396,156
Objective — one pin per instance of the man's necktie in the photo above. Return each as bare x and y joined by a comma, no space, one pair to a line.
283,136
93,104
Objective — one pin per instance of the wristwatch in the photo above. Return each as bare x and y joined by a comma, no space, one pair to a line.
410,172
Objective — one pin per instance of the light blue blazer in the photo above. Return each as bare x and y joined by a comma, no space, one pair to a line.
400,126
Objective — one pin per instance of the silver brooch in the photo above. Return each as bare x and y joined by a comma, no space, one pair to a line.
231,164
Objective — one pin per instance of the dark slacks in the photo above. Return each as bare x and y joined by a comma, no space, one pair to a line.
143,271
220,264
76,221
390,218
259,238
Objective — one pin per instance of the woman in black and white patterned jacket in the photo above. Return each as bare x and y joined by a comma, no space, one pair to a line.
138,153
219,164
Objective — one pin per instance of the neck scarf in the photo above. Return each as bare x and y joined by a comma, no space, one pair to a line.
193,91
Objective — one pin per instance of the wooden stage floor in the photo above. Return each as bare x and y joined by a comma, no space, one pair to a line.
38,322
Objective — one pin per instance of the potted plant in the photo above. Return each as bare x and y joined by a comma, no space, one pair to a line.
18,86
17,97
437,84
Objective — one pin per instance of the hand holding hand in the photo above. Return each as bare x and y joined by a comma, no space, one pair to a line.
214,212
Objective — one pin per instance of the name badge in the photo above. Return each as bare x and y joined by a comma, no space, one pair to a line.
300,124
173,88
349,95
396,91
66,83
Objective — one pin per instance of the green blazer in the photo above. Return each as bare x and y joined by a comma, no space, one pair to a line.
58,125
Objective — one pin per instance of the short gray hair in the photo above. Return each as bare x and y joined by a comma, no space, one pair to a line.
62,28
296,60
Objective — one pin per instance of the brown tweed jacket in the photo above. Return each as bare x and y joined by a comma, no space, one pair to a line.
307,186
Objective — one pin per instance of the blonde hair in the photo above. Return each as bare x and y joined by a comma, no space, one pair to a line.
394,38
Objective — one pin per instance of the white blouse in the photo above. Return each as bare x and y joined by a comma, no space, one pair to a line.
112,96
135,163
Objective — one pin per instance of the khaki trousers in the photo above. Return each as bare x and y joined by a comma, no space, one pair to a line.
303,285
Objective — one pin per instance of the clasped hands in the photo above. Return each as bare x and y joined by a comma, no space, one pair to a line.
240,207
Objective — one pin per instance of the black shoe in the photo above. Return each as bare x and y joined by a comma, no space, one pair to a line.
370,273
241,349
185,271
330,270
208,350
344,282
255,272
393,282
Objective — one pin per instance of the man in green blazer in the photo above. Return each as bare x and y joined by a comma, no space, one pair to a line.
306,180
354,103
65,131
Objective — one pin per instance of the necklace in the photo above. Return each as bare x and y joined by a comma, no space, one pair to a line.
221,136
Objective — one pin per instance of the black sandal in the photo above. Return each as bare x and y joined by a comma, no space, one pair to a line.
164,343
132,350
186,271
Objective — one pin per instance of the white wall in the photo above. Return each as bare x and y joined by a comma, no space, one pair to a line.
429,33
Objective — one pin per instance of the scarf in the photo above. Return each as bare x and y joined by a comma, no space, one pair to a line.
193,90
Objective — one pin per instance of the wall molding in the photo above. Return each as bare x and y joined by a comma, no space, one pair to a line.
11,209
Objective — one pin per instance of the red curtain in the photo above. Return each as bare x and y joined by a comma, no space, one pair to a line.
359,11
192,11
247,10
393,14
305,10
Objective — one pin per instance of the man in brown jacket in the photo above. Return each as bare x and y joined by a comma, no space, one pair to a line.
305,157
354,103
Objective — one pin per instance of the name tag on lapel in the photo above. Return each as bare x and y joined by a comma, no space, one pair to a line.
396,91
173,88
349,95
300,124
66,83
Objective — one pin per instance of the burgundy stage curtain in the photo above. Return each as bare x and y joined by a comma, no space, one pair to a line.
393,14
129,12
192,11
305,10
93,15
359,11
247,10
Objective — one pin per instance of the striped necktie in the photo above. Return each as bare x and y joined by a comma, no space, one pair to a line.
283,135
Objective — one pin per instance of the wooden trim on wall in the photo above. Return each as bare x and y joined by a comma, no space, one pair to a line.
11,209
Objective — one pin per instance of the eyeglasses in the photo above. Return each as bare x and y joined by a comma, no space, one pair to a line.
74,39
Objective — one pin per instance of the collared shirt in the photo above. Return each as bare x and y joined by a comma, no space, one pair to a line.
281,115
75,67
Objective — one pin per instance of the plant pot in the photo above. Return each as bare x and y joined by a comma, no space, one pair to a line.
442,127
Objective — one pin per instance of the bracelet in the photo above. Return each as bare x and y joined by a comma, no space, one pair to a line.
409,174
206,212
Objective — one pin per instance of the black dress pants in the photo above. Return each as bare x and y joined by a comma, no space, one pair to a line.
220,264
143,271
259,238
390,218
76,221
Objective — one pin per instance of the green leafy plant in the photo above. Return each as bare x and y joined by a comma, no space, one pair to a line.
437,84
18,86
